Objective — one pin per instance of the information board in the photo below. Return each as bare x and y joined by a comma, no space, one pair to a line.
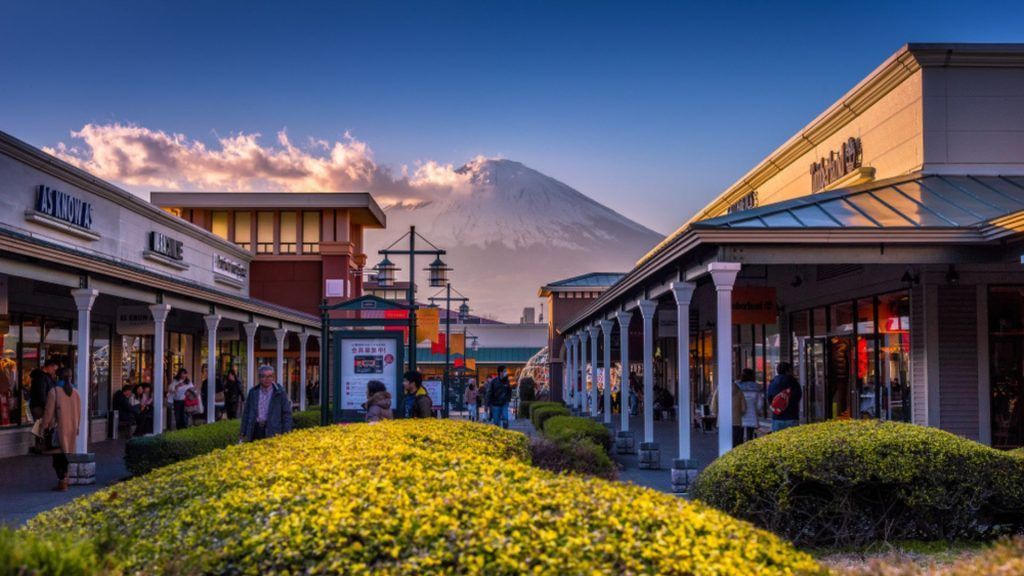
363,360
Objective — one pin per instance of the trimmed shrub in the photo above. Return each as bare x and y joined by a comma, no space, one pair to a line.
577,455
565,428
25,554
143,454
539,404
405,497
539,414
843,483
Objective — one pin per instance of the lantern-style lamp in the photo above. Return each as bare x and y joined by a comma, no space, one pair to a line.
386,273
438,273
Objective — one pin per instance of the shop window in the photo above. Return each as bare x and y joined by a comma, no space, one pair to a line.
219,223
1006,365
894,356
310,232
99,364
13,407
243,230
265,233
136,360
289,233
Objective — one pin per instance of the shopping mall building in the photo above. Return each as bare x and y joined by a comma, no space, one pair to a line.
879,250
108,284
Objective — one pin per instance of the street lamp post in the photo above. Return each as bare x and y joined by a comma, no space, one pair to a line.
463,313
386,277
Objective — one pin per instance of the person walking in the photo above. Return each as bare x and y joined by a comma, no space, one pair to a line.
784,395
754,397
634,395
180,387
739,407
470,397
61,416
127,411
378,402
267,411
233,394
418,403
499,394
42,381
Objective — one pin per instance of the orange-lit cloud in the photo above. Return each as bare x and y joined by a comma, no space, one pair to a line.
143,159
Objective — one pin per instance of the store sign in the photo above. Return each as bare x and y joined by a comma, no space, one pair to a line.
838,164
754,305
363,360
64,207
134,321
746,202
229,268
166,246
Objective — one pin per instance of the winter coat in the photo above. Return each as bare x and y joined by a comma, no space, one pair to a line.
420,406
739,405
279,413
378,407
499,392
470,396
753,395
65,412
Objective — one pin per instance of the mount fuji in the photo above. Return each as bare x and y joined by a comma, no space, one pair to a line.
508,230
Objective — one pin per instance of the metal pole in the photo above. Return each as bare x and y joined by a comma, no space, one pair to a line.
324,379
412,298
447,345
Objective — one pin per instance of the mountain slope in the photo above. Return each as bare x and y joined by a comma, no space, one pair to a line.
511,229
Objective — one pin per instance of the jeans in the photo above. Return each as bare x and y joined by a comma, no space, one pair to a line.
474,413
499,415
783,424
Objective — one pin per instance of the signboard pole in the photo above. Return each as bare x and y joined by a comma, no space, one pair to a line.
325,379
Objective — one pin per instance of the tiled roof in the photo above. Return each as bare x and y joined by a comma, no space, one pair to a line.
590,280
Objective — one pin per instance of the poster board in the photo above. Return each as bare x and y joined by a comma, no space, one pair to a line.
435,388
362,356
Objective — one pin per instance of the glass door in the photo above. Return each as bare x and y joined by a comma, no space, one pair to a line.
815,389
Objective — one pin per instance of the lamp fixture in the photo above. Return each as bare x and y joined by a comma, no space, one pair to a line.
386,273
438,273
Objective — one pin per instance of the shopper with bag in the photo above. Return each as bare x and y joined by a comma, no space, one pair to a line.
60,424
784,395
180,387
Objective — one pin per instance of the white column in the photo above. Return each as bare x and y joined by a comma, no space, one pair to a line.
606,329
302,369
724,276
212,320
584,393
84,298
594,331
281,334
159,312
647,310
250,355
624,318
684,293
568,394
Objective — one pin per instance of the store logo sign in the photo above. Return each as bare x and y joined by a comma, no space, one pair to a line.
229,268
64,207
746,202
838,164
166,246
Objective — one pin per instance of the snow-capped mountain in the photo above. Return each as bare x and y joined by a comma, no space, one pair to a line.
509,229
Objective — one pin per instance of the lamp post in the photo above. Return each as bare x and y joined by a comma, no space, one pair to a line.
386,277
463,314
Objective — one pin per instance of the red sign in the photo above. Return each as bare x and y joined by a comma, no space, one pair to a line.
754,305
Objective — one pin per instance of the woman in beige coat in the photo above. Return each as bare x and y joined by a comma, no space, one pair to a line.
63,410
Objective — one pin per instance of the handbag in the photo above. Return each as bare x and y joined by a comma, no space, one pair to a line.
192,403
51,436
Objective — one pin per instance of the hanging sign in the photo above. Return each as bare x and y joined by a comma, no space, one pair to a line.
134,321
363,360
428,324
754,305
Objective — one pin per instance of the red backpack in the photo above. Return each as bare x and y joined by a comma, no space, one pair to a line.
781,401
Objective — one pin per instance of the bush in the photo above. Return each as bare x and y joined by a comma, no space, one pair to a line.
843,483
577,455
539,414
404,497
143,454
565,428
540,404
26,554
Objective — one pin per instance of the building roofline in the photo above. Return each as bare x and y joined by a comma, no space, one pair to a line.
272,199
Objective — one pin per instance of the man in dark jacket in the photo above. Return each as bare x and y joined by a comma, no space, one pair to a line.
784,395
418,403
42,381
499,393
268,410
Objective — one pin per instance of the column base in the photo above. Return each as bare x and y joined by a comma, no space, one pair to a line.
684,471
625,443
81,469
650,456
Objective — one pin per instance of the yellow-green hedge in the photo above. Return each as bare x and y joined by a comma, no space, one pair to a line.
405,497
842,483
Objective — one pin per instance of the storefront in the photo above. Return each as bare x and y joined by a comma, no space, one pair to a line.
879,251
151,289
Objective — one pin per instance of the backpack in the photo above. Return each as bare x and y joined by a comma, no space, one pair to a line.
781,401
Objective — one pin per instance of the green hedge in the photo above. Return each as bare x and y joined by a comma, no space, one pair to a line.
844,483
526,407
403,497
23,553
143,454
565,428
539,414
576,455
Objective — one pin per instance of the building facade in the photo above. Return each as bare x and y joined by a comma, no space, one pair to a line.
878,250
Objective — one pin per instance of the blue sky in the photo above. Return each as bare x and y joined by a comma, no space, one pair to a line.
650,108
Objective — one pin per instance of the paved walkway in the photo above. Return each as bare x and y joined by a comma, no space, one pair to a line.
704,448
26,482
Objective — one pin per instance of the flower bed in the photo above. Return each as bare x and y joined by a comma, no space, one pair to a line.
404,497
143,454
849,482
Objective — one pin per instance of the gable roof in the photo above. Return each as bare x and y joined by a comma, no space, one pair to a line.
591,281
